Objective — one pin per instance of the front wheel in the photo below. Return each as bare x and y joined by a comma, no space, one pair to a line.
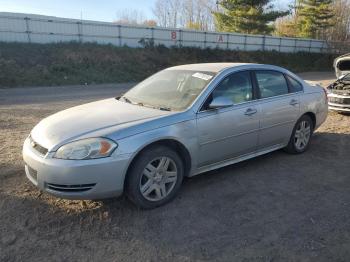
155,177
301,135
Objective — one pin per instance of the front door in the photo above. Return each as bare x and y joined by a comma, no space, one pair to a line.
231,132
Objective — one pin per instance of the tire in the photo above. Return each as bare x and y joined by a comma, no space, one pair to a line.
151,180
293,147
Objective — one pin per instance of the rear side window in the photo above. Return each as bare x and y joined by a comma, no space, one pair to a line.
271,83
295,86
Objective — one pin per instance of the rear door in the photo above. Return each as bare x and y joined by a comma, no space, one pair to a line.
279,108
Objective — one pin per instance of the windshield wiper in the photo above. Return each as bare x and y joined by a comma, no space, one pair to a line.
127,100
164,108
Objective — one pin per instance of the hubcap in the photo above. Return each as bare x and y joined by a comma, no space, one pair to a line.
302,135
158,179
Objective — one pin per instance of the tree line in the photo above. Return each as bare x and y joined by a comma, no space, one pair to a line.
320,19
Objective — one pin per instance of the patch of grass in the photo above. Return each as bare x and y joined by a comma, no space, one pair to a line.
74,63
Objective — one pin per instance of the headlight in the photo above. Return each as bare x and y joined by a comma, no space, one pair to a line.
90,148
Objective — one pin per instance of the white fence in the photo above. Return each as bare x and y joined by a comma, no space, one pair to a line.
45,29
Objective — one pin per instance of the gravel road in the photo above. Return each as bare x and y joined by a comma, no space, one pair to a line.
277,207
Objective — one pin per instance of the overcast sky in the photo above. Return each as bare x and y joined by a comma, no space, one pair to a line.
100,10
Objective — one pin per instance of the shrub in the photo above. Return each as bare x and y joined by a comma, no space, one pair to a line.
74,63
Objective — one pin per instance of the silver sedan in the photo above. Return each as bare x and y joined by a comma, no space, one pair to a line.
180,122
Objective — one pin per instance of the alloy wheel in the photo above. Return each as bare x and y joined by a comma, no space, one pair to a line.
158,179
302,135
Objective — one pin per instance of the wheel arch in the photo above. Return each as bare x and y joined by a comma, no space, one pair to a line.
172,143
312,116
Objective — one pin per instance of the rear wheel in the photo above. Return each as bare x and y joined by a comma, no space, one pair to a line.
301,135
155,177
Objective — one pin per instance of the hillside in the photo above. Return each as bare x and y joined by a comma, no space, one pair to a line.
74,63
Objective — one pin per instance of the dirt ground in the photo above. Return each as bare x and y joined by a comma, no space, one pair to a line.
277,207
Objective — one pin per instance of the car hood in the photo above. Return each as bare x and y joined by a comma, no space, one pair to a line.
80,121
342,65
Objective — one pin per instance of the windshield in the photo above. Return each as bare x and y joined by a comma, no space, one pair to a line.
169,89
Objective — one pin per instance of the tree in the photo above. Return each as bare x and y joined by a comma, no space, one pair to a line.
133,17
251,17
286,27
315,17
150,23
167,12
340,31
194,14
129,17
194,26
197,14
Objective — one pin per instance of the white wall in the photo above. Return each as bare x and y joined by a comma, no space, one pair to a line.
45,29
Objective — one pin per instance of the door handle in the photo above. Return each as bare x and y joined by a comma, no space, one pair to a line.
250,111
294,102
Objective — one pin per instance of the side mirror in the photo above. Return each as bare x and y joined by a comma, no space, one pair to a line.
220,102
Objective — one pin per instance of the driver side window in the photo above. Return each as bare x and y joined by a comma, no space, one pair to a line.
237,87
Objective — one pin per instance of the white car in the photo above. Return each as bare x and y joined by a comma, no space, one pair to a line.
339,91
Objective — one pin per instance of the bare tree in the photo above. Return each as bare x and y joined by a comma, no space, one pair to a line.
195,14
204,14
341,29
160,11
167,12
129,17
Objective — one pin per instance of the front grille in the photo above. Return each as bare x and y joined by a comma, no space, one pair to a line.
70,188
40,149
339,100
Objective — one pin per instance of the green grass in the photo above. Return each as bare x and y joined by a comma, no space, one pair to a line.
74,63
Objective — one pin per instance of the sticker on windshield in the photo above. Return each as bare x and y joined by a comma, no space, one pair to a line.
202,76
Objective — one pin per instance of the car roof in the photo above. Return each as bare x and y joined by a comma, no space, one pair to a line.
209,67
218,67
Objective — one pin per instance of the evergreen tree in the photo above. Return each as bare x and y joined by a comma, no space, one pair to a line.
315,17
242,16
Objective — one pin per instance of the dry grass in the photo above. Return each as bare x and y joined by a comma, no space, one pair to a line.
277,207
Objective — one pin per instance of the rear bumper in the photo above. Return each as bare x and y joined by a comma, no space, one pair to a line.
76,179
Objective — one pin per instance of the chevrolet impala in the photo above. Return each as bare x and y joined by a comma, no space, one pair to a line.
179,122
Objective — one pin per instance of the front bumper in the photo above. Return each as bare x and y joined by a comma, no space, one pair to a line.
76,179
340,103
339,107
